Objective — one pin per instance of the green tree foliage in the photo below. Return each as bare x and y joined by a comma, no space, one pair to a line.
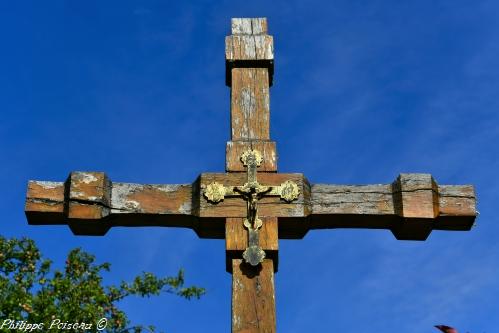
30,293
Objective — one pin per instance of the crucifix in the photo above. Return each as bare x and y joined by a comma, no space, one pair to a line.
251,206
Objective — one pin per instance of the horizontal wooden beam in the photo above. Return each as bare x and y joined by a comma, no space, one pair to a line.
90,204
411,207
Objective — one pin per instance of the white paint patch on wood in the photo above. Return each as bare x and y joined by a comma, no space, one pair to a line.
168,188
120,192
248,107
47,185
87,178
185,208
76,194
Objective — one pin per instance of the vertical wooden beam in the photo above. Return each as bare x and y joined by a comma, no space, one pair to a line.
250,104
253,301
249,57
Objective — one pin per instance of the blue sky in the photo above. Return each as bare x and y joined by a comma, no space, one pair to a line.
363,90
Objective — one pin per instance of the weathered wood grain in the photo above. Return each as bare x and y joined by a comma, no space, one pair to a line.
410,210
174,199
45,202
253,300
249,42
250,104
249,26
236,239
249,55
337,202
249,47
236,236
91,204
89,196
235,149
415,196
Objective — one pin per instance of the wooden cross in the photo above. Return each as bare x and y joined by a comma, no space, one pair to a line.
235,206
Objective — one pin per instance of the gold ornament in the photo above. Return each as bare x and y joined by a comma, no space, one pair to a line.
215,192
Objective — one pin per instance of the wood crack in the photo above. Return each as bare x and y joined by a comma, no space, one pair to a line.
314,192
415,190
329,204
100,204
45,201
